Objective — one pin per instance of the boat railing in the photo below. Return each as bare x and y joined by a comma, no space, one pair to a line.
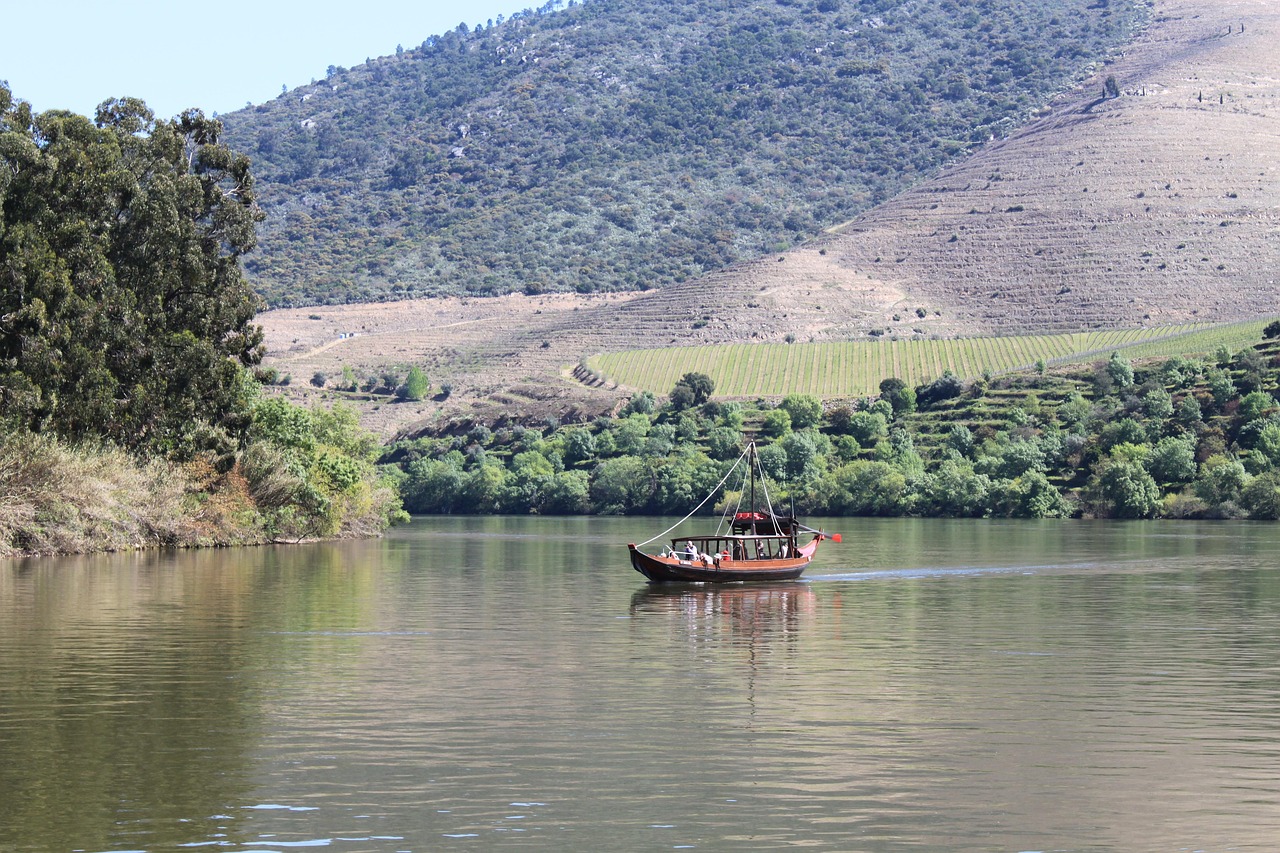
743,547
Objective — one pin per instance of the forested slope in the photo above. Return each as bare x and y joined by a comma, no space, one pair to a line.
618,145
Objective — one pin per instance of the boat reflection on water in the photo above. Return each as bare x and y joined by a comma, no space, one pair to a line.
753,611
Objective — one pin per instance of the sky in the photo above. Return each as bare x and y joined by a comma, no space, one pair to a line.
75,54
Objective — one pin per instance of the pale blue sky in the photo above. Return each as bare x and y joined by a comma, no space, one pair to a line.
74,54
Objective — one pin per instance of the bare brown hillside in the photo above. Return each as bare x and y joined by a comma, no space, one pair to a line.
1158,206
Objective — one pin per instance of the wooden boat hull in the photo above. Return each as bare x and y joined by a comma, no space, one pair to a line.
675,568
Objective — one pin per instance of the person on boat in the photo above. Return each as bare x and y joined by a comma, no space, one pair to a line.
690,551
782,552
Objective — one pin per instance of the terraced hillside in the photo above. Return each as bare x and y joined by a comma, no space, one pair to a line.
1157,207
855,368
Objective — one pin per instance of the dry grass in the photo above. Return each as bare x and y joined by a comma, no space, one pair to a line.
56,498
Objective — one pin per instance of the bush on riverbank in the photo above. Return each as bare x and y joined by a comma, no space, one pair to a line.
316,481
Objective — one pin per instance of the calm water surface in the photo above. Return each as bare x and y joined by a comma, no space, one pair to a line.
509,682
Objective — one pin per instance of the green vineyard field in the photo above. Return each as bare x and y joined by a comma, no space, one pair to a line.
856,368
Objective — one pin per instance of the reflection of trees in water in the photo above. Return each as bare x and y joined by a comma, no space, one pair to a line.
146,712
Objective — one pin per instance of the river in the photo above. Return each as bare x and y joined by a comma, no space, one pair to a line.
482,683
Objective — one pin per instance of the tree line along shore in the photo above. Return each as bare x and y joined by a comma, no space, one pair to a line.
1177,437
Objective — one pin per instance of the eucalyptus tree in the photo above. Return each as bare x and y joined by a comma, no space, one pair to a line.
124,311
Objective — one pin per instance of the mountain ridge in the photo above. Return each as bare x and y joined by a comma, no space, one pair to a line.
620,146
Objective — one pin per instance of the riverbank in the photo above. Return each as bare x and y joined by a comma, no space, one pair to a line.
57,497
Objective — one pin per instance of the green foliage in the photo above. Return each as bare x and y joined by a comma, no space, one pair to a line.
1120,371
776,423
682,396
947,387
1220,482
1030,495
1028,447
310,472
1254,405
123,310
1261,497
1172,461
432,486
805,410
868,427
693,389
416,387
897,394
1121,488
609,144
724,443
868,488
579,445
642,403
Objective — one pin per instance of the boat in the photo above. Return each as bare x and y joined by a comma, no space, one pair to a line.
755,545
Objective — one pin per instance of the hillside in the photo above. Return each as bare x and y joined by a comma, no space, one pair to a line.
834,288
616,145
1156,207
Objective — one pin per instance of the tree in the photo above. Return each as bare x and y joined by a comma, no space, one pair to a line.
960,439
1189,411
1110,88
432,486
1123,489
1028,496
839,419
956,490
1172,461
776,423
867,488
945,387
124,311
1261,497
1254,405
724,443
868,428
1220,386
804,457
579,445
1157,404
682,396
415,387
699,389
1220,482
621,485
642,403
805,410
896,393
1120,371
